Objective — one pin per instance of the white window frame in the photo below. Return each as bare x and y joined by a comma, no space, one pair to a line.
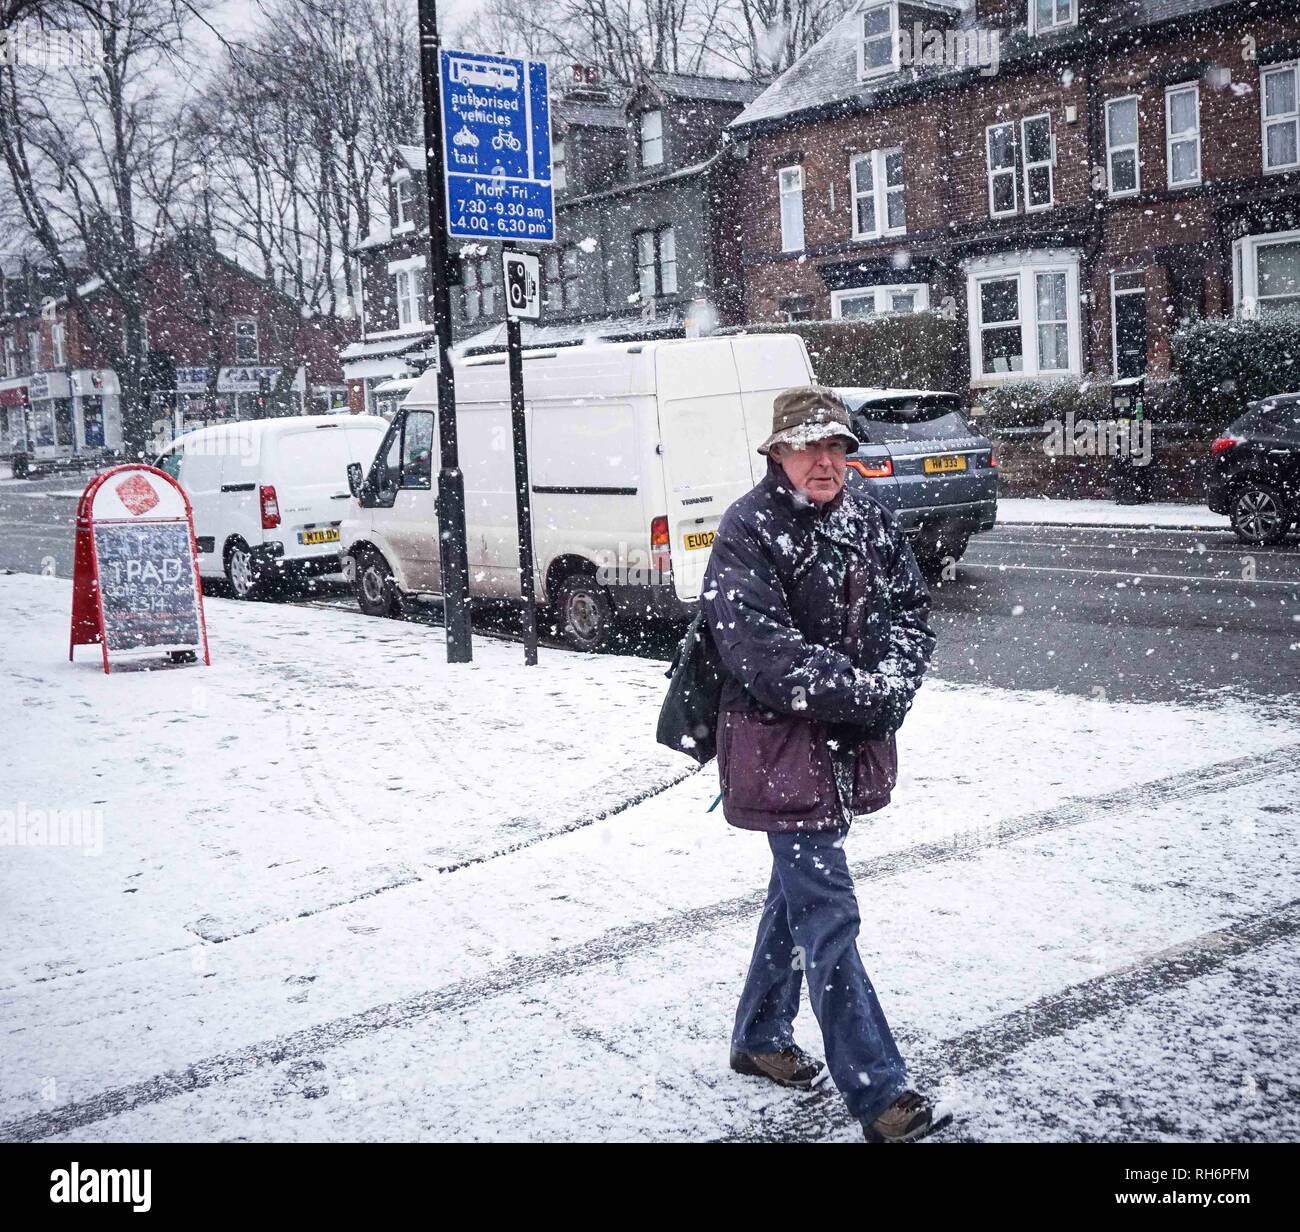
654,143
865,73
1058,23
1013,170
1049,162
559,171
1025,267
793,192
1172,138
11,355
882,298
879,194
257,343
405,218
34,350
1290,117
58,338
666,241
1245,267
409,293
1134,146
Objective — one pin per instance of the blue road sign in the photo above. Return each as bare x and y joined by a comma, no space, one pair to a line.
496,138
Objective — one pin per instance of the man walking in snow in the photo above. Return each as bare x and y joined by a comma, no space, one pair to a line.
821,616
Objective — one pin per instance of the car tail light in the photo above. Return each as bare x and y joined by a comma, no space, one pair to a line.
993,460
660,554
873,470
1223,444
270,508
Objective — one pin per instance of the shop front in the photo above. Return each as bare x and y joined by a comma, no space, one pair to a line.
51,423
241,393
13,417
97,410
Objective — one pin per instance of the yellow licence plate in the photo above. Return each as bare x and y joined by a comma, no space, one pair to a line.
310,537
699,539
945,465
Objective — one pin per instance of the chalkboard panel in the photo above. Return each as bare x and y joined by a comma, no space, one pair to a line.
147,585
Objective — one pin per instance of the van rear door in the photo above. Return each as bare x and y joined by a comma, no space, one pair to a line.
705,449
310,475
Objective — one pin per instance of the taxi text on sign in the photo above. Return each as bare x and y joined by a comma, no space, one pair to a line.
496,134
135,583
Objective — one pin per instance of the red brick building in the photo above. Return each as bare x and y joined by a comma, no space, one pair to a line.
1070,178
220,343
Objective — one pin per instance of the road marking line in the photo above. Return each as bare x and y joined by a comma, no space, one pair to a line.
1134,575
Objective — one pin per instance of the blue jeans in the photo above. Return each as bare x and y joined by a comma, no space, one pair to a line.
809,927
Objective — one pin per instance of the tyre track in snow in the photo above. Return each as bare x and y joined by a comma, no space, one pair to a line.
618,943
817,1118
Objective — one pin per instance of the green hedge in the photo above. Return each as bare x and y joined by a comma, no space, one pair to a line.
1031,404
1227,363
917,350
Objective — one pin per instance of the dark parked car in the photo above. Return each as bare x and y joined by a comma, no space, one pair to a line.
1255,470
923,459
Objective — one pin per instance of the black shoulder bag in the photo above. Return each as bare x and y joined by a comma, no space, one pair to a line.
688,718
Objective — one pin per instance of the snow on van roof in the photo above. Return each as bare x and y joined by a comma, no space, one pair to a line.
259,427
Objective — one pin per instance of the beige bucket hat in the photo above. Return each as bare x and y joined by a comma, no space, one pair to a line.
806,414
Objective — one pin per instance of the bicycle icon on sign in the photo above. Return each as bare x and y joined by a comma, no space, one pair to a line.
506,141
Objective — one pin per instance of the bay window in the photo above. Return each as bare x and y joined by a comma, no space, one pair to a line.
790,187
561,281
876,187
1024,316
1183,134
1124,175
1281,116
656,263
1266,272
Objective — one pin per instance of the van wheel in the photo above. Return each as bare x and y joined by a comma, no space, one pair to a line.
584,612
374,585
1258,517
242,571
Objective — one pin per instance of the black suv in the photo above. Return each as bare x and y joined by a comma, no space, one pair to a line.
1255,470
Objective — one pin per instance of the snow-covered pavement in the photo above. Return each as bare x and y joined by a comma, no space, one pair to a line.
1019,510
348,891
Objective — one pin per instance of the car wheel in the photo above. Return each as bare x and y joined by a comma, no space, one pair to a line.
373,583
242,570
584,613
1258,516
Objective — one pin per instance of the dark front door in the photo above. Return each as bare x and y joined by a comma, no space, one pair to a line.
1130,334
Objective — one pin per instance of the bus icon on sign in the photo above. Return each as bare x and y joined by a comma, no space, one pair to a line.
491,76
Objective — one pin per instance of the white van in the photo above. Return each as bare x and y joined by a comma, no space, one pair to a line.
268,494
634,452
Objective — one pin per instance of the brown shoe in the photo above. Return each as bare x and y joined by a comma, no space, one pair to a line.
909,1117
791,1067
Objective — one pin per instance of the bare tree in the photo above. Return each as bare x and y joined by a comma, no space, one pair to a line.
90,152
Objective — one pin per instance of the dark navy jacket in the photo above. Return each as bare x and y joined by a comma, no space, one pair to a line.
821,616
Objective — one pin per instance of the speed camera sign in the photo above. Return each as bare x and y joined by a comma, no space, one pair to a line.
523,285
